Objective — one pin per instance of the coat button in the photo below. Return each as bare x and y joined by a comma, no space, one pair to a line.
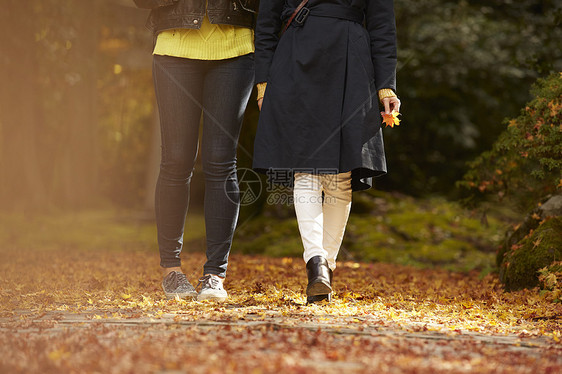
195,21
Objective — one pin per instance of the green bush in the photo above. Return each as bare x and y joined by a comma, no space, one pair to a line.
525,163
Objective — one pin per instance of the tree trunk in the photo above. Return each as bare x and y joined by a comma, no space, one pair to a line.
21,179
79,163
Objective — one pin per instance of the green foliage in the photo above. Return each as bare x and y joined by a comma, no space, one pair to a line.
277,238
539,249
463,67
386,228
429,232
525,163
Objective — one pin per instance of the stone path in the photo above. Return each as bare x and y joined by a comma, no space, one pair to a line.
54,321
431,345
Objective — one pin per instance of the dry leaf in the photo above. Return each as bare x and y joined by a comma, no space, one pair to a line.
391,119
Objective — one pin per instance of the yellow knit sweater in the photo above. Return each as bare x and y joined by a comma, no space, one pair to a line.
210,42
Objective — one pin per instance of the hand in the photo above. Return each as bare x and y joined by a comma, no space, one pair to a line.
260,101
391,104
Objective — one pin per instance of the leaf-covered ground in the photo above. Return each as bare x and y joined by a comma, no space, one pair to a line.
67,309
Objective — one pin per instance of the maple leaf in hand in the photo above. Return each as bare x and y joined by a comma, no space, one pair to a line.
390,119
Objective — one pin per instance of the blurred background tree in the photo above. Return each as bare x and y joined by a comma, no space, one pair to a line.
77,115
48,101
464,66
71,94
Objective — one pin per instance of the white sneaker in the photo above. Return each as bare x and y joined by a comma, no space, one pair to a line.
211,288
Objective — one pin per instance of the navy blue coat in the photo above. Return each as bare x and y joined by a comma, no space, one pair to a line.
320,111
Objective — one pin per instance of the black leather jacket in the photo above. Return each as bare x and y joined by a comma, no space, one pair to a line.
175,14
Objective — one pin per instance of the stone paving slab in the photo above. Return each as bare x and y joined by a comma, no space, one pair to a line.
55,321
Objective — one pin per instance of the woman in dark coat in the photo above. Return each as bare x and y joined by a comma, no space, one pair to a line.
319,114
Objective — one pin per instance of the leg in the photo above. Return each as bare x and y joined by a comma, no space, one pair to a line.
178,85
308,207
307,194
227,88
336,208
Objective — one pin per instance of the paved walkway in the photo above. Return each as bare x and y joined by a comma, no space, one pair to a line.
423,348
55,321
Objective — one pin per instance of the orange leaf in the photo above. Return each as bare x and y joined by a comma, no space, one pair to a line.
391,119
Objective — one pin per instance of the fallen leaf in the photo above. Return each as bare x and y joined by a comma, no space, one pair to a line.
391,119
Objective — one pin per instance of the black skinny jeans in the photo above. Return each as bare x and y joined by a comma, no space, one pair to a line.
185,88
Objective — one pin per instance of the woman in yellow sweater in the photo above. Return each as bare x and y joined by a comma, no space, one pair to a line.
203,63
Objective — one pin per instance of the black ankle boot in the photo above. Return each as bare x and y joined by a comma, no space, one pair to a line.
319,280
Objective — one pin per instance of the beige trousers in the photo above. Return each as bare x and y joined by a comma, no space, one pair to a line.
322,221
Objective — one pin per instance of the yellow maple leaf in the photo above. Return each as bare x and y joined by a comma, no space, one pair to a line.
391,119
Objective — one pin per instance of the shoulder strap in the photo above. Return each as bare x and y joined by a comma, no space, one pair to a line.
301,5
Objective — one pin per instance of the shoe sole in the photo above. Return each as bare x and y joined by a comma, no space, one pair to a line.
318,299
211,297
318,288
